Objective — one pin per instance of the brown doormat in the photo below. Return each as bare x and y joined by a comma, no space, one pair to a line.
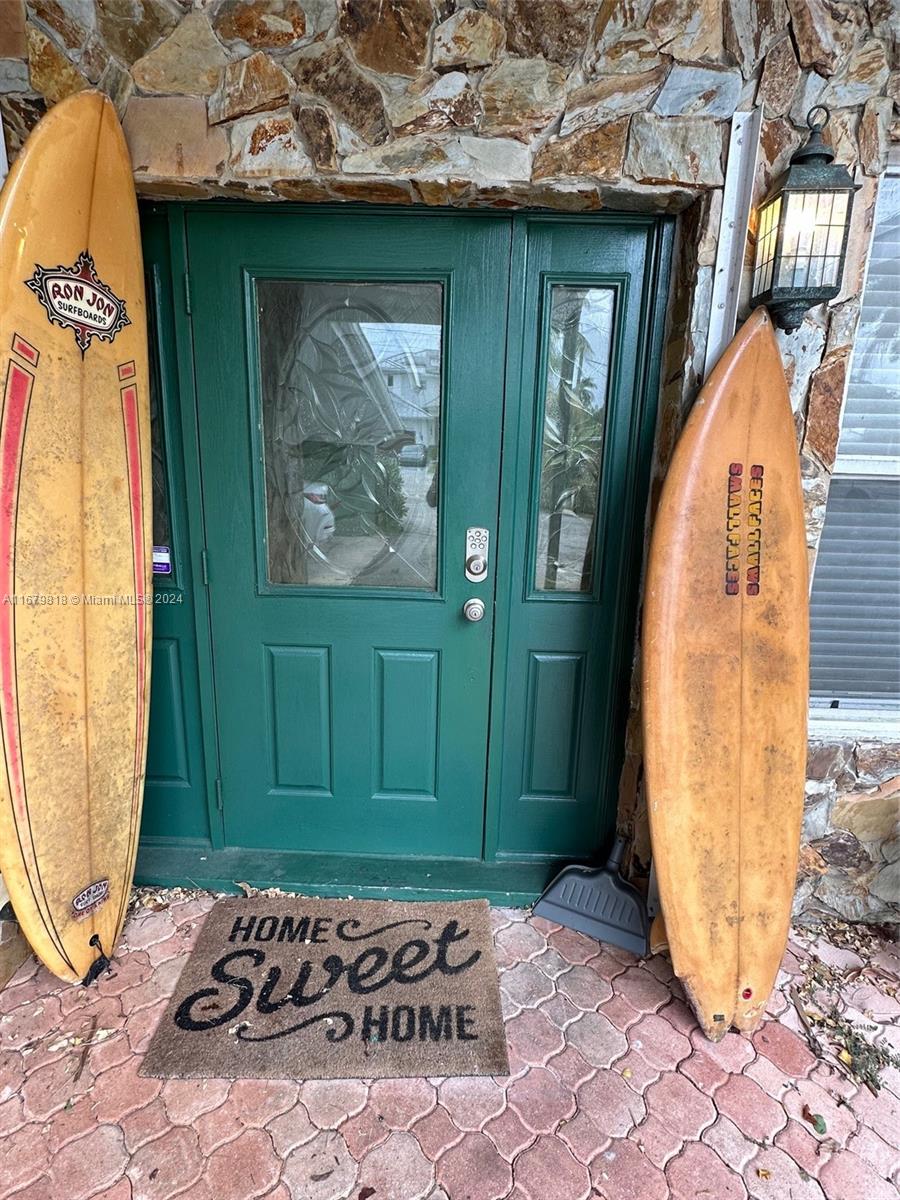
334,989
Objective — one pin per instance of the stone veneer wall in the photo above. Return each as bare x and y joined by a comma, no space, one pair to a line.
567,104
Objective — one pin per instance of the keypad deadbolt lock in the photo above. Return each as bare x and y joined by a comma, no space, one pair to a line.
476,562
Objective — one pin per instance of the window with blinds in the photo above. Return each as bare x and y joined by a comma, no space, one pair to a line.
855,611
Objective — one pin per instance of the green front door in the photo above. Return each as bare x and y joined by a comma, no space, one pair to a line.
350,384
400,414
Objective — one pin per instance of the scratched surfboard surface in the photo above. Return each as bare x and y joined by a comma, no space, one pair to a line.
725,683
75,558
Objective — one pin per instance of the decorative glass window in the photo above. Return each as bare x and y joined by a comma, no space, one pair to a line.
352,468
574,426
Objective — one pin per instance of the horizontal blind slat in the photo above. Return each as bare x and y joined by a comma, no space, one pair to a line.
855,601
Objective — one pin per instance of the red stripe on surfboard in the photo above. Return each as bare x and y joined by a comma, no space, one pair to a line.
12,440
25,349
126,371
132,424
16,404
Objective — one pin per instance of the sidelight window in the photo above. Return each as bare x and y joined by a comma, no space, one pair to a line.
572,441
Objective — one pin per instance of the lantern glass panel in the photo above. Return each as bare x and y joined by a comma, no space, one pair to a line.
766,241
812,240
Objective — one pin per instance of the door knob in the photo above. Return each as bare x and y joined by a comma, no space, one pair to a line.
473,609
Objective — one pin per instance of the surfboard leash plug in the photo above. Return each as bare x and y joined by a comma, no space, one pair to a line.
100,964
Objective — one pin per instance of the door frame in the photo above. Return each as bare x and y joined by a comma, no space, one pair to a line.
502,880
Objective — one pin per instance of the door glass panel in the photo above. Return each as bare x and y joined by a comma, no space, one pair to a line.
351,415
578,353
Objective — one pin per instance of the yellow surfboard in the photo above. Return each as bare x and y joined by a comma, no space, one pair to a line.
75,533
725,684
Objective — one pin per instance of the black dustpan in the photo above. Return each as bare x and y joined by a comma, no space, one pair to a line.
597,901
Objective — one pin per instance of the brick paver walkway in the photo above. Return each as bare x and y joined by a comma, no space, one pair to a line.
613,1093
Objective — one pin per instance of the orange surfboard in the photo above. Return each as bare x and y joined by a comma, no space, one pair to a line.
725,684
75,532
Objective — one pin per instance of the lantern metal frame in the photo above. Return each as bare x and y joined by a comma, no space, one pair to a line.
812,172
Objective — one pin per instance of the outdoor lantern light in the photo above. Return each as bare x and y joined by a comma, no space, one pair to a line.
802,235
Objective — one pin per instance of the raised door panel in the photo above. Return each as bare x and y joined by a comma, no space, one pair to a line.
167,756
405,708
299,719
554,703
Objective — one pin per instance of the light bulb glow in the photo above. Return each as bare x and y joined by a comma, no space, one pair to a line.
812,239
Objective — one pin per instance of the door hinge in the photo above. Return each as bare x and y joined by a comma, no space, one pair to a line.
187,294
219,805
204,566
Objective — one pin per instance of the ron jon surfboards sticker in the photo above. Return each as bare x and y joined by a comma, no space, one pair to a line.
77,298
90,898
